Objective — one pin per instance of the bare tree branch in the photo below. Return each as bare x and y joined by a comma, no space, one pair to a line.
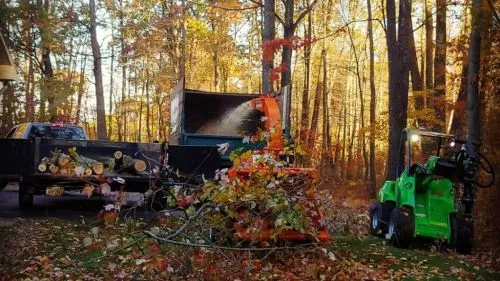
304,13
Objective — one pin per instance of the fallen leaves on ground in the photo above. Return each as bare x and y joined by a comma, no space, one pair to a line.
58,250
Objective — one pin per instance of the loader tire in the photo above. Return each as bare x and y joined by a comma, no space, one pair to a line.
461,234
379,218
401,227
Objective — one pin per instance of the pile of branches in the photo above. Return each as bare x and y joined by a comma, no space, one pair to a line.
198,226
237,210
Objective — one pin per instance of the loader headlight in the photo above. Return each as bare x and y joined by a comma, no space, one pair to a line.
414,138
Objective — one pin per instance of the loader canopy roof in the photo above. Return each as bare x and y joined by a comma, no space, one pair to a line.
424,132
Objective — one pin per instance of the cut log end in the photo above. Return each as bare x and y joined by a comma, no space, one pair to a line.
88,172
140,166
54,169
42,168
118,154
79,171
64,160
98,168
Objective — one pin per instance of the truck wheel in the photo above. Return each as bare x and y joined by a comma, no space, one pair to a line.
26,196
379,217
461,234
401,227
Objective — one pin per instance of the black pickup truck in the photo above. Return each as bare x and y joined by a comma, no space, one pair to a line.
29,148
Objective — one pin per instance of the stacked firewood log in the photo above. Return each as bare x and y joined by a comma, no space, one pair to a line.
73,164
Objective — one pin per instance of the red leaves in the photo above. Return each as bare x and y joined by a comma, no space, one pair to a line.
185,202
271,46
154,249
275,72
110,217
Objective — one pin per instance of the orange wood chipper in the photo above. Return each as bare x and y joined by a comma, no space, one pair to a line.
204,118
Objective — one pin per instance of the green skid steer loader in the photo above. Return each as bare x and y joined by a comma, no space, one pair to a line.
434,195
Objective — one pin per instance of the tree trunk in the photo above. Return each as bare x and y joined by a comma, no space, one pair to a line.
473,102
350,158
458,118
344,131
440,65
30,94
326,158
123,60
429,48
286,54
99,92
457,124
148,106
267,35
111,85
182,59
8,99
362,103
29,107
80,90
398,86
373,104
46,92
416,79
304,116
336,162
315,115
139,135
216,71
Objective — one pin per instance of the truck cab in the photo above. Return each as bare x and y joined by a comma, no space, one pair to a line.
33,130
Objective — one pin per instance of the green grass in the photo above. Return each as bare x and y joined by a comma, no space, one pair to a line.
435,265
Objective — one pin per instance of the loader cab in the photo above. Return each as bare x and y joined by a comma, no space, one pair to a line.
417,146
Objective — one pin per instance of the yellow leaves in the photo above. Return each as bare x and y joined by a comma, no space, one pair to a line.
299,150
196,27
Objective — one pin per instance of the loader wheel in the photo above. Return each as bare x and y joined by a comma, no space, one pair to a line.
379,217
401,227
461,234
26,196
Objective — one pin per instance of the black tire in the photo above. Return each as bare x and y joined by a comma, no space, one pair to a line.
461,234
379,217
26,196
401,227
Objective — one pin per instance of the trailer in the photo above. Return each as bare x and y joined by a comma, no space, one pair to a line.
28,159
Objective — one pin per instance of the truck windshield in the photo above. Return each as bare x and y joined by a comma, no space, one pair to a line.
58,132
